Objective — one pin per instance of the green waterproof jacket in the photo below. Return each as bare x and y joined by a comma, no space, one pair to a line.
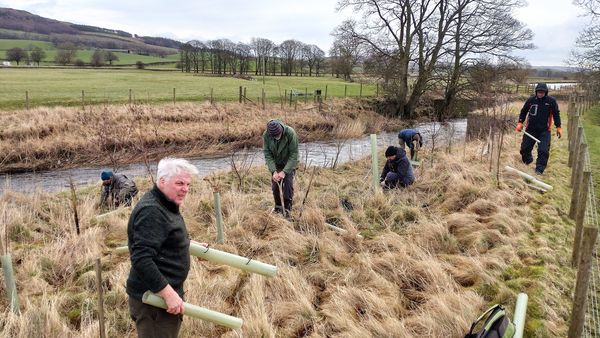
281,154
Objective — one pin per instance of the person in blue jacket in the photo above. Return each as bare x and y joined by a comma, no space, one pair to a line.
397,172
537,114
412,138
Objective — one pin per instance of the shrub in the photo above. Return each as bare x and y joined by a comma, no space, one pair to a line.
139,65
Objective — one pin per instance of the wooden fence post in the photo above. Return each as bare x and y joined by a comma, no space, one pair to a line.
130,96
584,272
573,130
240,100
100,298
219,218
578,157
173,96
27,99
325,93
577,176
82,99
263,99
211,96
360,92
580,206
345,90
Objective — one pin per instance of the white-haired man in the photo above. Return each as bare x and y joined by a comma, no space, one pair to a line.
159,249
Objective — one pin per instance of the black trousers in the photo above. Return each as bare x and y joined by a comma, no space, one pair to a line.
153,322
288,192
543,149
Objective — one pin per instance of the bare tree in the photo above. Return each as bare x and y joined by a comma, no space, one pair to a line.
37,54
346,50
97,59
110,57
65,54
16,54
262,50
289,51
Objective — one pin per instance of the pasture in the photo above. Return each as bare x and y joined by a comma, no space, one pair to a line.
52,87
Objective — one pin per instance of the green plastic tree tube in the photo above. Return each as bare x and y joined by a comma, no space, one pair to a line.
374,165
196,312
529,178
222,257
9,279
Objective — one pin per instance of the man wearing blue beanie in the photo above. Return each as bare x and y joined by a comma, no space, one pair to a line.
118,187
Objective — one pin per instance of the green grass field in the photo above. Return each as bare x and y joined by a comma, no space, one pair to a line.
52,87
83,54
591,123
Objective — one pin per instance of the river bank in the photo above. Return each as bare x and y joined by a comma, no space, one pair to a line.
62,137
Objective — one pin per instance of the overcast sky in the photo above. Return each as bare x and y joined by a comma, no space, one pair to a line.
555,23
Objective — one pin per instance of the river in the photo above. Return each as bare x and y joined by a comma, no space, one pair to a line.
320,153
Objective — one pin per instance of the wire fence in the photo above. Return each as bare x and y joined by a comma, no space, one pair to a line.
585,316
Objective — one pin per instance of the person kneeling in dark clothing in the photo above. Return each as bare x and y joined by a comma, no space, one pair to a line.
397,172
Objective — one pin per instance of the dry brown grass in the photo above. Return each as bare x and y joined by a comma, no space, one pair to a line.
434,255
59,137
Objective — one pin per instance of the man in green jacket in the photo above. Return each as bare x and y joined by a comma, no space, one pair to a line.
280,147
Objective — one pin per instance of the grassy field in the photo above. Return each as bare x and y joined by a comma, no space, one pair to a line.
591,123
83,54
433,255
51,87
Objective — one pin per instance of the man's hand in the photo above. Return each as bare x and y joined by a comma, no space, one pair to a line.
174,302
382,183
559,132
519,127
278,176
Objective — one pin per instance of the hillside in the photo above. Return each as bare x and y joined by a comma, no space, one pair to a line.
433,255
19,24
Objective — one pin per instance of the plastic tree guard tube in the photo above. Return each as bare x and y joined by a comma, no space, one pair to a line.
196,312
222,257
529,178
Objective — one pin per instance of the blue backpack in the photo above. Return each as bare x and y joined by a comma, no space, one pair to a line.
493,323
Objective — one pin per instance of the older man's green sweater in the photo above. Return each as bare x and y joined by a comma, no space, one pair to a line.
159,246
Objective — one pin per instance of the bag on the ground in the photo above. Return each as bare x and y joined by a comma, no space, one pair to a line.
493,323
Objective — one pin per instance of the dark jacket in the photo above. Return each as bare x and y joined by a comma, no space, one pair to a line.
281,154
159,246
120,186
540,112
407,134
401,166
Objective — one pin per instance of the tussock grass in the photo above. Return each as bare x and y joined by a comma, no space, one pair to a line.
59,137
433,255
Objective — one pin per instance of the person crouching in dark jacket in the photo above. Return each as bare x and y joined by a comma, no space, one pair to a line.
397,172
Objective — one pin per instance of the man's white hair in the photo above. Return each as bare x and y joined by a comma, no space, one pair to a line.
169,167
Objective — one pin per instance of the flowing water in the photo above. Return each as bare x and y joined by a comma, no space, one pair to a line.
322,153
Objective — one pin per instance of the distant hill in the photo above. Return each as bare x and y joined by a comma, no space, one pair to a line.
19,24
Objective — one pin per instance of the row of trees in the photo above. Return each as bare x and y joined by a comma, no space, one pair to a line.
413,46
260,56
65,55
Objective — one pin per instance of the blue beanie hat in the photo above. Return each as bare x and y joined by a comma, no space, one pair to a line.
106,174
274,128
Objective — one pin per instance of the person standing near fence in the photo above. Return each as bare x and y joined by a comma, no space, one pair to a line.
280,148
159,247
537,114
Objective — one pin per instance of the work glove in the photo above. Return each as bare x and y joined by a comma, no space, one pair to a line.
559,132
519,127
